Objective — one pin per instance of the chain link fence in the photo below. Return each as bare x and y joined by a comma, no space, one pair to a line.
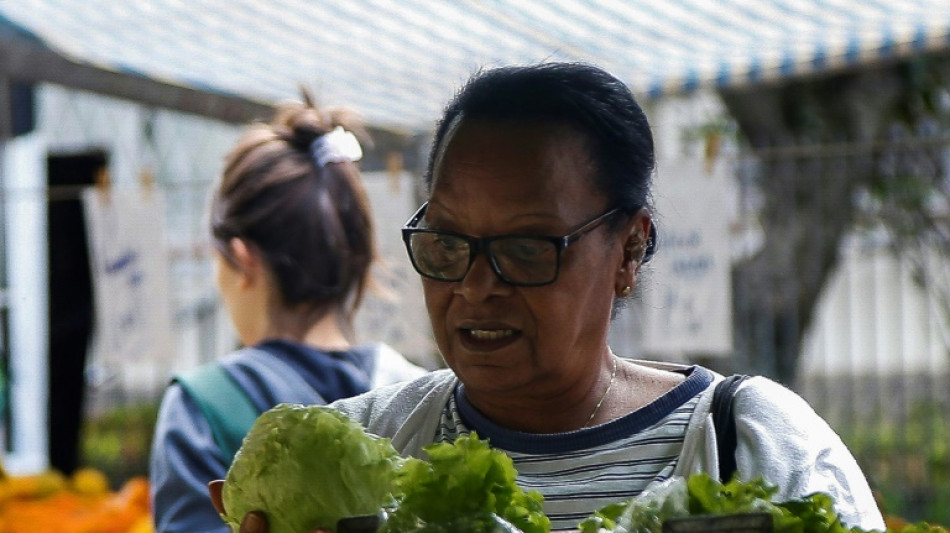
873,350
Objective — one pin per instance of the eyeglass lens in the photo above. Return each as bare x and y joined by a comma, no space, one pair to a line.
519,260
524,260
440,256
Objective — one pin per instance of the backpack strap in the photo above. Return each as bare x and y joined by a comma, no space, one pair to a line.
725,424
224,404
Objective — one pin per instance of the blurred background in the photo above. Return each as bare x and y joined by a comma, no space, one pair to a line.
802,194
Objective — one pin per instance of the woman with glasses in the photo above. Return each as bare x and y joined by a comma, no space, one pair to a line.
535,230
293,246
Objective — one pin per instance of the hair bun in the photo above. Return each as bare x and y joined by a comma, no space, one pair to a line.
303,122
299,124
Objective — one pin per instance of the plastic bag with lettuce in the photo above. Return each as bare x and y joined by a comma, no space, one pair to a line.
310,466
701,496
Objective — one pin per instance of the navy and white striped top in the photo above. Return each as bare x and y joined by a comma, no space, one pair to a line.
581,471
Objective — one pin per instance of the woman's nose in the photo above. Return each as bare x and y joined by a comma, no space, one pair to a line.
481,281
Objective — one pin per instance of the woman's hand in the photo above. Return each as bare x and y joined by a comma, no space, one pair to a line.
254,521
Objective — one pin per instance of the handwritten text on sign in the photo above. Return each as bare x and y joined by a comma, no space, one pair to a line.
688,299
130,273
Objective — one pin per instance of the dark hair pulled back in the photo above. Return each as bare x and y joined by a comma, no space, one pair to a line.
584,97
312,226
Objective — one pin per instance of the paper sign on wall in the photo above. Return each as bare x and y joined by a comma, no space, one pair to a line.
688,298
127,250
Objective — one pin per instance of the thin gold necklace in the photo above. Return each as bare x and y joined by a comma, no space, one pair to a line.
613,374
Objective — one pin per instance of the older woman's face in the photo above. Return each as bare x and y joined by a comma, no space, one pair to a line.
498,178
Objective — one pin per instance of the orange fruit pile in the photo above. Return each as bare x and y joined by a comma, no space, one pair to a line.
81,503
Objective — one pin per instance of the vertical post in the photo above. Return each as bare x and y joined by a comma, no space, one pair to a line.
6,128
6,111
23,228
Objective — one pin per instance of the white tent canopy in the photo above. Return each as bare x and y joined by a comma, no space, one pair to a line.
397,62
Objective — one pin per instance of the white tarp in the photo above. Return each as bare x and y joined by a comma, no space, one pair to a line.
397,63
688,300
127,249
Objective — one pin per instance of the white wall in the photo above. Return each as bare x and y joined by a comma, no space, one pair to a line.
23,168
183,154
873,319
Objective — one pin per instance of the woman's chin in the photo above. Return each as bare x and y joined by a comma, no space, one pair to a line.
493,378
488,363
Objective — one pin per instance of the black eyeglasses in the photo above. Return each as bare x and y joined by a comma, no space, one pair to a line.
522,260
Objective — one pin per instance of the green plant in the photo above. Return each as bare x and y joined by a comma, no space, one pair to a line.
907,461
117,442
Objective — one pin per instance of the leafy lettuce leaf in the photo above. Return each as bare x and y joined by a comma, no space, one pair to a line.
464,486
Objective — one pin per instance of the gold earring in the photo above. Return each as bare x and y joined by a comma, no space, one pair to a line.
625,291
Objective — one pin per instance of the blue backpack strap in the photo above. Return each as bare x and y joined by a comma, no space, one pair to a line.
223,403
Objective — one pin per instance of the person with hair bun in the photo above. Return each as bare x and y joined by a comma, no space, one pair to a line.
292,230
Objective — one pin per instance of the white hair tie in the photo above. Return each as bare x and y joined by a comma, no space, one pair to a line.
336,146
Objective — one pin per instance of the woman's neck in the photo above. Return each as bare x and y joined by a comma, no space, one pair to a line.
326,332
617,392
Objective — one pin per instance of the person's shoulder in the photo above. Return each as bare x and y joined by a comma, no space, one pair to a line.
404,391
786,441
393,367
422,384
660,365
384,409
771,404
245,356
762,390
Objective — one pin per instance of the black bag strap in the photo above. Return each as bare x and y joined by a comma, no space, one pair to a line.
725,424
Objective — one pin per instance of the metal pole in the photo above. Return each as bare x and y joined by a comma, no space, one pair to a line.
6,110
6,132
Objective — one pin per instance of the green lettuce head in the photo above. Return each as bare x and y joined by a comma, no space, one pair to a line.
307,467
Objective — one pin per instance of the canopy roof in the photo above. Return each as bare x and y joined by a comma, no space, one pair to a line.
397,62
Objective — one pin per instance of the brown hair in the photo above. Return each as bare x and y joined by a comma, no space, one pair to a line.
312,225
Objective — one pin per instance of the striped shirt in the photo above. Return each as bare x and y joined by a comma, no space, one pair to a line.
581,471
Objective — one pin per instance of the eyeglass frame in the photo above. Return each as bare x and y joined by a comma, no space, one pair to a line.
477,245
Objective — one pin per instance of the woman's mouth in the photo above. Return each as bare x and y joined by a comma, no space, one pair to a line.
491,334
478,339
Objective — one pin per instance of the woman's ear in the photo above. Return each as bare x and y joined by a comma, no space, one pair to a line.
247,261
635,234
